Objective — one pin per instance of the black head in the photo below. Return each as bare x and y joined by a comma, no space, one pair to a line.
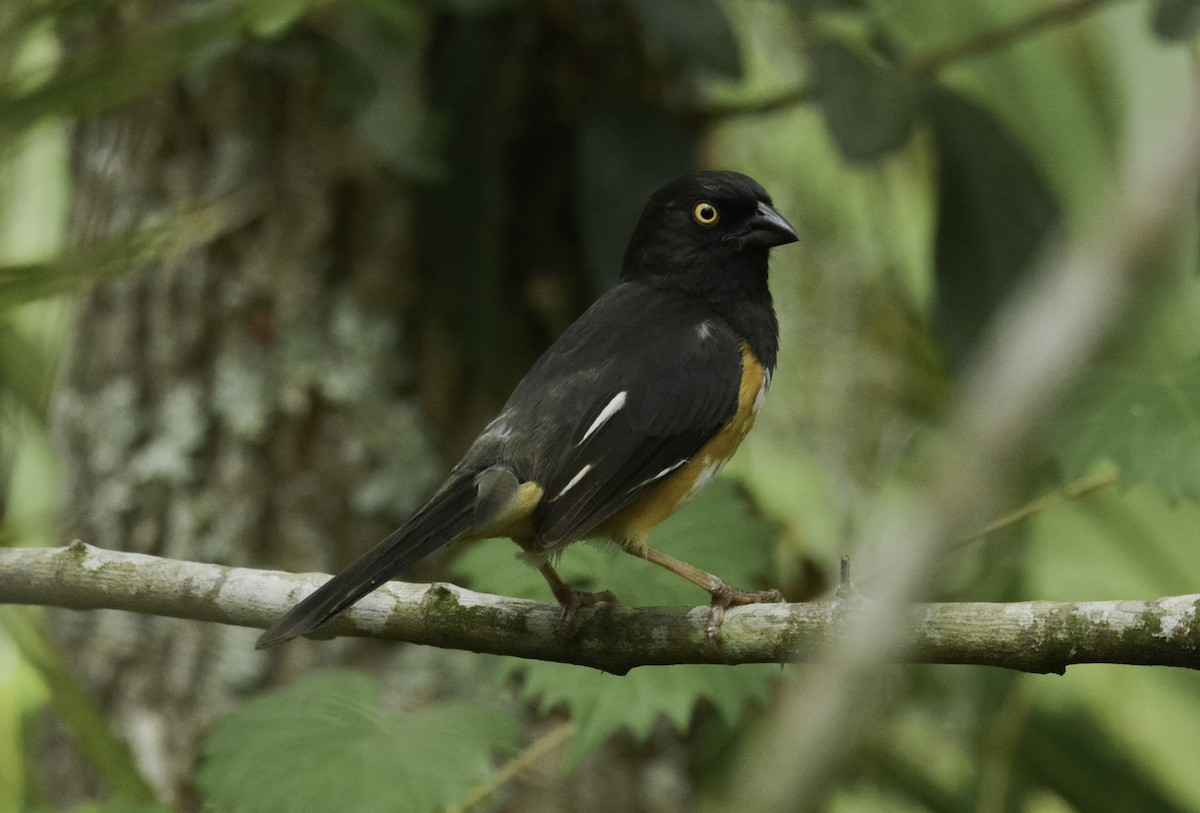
713,227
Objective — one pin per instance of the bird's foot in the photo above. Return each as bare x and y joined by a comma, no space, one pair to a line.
725,597
571,600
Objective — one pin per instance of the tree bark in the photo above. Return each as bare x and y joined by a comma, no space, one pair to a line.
245,399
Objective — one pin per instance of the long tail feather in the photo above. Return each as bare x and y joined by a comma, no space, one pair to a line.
447,516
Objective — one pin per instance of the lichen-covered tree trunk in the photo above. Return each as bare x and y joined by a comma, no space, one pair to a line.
245,398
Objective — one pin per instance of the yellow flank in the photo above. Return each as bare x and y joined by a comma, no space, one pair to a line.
632,524
514,520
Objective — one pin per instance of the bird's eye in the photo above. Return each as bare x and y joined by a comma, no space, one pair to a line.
706,214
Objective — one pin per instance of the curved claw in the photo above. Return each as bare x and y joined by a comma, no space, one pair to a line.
571,600
724,597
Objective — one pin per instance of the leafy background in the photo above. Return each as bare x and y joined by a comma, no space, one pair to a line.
924,150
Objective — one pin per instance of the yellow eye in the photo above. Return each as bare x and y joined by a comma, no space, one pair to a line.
706,214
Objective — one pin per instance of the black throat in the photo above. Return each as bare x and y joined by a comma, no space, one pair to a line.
734,289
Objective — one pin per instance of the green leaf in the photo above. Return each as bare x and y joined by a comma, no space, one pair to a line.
1176,20
869,107
695,32
1145,418
603,705
325,743
994,212
717,533
271,19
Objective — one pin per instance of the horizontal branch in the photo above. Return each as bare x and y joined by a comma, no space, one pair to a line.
1036,636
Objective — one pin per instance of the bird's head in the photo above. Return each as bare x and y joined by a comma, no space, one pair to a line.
709,225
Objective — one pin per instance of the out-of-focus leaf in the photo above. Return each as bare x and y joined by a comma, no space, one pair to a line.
994,212
352,85
1143,417
76,710
115,73
115,806
270,19
827,5
325,743
695,32
719,534
401,16
26,371
469,7
1176,20
105,259
1083,764
869,106
625,154
13,708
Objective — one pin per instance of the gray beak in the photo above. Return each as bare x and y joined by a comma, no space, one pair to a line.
767,229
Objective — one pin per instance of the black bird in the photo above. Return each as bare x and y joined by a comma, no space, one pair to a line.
625,417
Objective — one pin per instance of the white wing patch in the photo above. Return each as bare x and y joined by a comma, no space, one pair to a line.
498,429
614,406
710,470
658,476
574,481
703,331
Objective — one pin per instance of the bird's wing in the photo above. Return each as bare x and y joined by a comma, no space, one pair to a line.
635,389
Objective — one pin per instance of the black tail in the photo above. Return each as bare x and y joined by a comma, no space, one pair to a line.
449,514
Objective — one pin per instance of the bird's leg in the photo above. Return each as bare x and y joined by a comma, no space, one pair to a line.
571,598
723,595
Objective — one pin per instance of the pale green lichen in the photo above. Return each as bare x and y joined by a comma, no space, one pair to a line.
1178,617
243,397
180,425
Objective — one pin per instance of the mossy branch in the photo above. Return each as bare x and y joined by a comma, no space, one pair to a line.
1039,636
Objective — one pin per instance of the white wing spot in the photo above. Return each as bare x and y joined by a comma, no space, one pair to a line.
658,476
614,406
574,481
711,467
498,428
704,330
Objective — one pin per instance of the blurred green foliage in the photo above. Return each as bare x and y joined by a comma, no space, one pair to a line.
925,151
326,743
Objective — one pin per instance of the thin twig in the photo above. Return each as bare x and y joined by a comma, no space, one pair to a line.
1043,503
534,753
925,67
1003,36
